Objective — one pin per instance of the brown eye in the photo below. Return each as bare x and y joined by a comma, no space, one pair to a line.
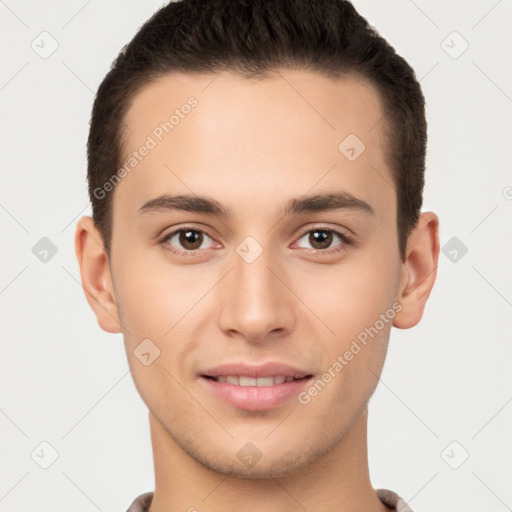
191,239
183,240
321,239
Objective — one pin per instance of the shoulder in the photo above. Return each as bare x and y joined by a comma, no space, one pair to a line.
141,502
392,500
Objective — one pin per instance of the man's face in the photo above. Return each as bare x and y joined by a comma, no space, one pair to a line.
256,285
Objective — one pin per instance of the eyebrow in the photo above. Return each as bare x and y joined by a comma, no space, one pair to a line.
300,205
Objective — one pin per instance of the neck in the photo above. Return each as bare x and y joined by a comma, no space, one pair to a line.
337,481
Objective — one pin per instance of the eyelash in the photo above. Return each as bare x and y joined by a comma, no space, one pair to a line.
346,240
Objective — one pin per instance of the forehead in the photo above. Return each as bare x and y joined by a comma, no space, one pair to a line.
222,132
327,106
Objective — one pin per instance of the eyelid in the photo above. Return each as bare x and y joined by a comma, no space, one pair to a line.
185,227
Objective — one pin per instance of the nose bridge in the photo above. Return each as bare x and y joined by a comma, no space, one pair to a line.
254,301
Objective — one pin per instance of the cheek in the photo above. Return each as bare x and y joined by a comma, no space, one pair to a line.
351,296
154,303
350,303
157,302
350,299
154,295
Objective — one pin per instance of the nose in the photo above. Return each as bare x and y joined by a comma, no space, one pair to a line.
255,303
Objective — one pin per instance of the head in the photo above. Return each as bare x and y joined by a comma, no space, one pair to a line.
327,37
291,140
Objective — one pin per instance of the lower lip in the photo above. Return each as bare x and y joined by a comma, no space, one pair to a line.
256,398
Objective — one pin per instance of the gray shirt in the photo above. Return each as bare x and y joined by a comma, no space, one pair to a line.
389,498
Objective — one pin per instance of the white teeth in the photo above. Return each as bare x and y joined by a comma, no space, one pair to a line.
265,381
245,381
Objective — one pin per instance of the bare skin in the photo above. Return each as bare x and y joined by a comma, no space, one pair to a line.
252,146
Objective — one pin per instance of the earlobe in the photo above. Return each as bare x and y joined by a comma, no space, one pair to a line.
95,275
419,270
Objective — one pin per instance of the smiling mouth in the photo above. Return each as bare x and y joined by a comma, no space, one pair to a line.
256,392
245,381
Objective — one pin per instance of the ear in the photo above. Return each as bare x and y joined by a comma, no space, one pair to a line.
95,274
419,271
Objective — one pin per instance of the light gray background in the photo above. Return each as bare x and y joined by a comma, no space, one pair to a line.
66,382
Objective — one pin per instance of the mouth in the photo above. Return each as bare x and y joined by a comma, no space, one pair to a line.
255,393
246,381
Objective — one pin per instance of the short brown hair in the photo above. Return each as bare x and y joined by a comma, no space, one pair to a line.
254,38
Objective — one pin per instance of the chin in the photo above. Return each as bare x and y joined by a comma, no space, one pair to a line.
278,465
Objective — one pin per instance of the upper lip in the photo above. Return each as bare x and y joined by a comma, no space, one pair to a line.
270,369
